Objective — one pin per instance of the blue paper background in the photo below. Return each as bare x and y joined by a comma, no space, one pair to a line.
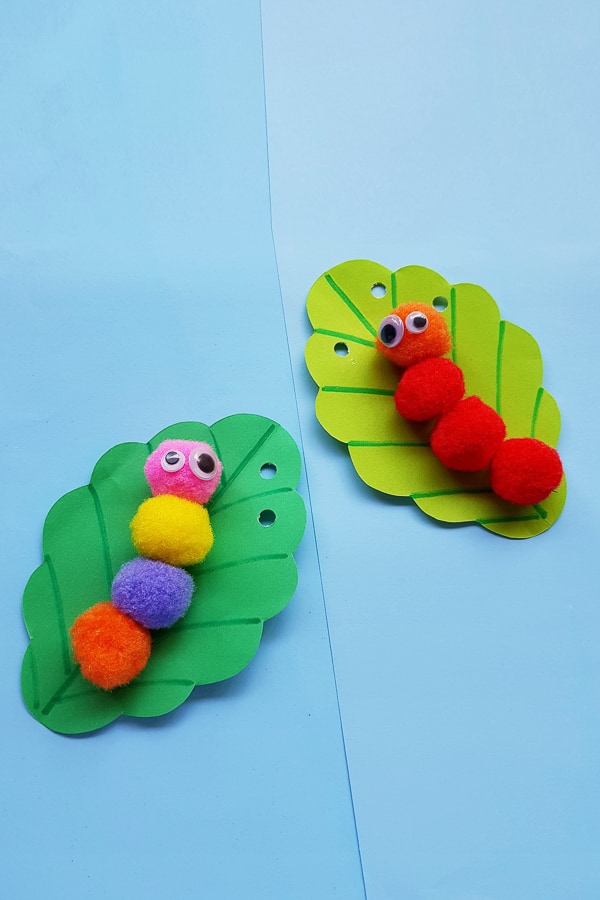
462,136
138,287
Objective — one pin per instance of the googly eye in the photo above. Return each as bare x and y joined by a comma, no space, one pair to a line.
416,322
172,461
203,464
391,331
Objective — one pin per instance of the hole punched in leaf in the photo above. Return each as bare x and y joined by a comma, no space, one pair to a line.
379,290
268,470
440,303
267,518
341,349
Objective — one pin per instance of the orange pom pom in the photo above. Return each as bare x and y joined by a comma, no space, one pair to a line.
110,648
525,471
430,341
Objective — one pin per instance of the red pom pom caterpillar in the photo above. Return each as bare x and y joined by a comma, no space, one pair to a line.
468,435
111,640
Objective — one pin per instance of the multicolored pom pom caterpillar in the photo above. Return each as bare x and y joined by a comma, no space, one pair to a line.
111,640
468,435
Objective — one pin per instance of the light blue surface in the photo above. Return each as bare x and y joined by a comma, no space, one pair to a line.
138,288
462,136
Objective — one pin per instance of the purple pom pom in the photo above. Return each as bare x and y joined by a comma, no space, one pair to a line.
153,593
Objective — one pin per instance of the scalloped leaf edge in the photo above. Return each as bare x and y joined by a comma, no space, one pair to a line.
101,707
333,293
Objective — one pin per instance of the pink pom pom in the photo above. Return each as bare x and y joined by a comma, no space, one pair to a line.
187,469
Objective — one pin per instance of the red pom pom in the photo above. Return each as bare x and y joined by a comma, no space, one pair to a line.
110,648
467,437
525,471
429,388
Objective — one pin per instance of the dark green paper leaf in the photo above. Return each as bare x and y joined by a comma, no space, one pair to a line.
248,577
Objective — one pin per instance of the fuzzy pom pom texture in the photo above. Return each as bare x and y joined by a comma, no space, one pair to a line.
153,593
110,647
111,641
468,435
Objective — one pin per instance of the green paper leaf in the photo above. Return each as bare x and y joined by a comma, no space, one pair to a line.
501,363
248,577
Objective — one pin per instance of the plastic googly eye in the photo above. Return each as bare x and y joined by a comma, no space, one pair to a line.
172,461
391,331
203,464
416,322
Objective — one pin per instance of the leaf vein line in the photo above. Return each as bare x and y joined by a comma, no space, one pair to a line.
339,389
58,695
536,409
76,696
252,452
423,495
108,567
215,623
220,509
206,570
351,306
35,681
501,333
502,519
153,682
453,321
217,450
346,337
60,615
388,444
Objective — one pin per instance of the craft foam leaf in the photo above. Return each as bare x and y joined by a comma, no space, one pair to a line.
248,577
501,364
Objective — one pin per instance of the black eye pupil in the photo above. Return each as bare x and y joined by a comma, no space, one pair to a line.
172,457
388,333
420,321
206,463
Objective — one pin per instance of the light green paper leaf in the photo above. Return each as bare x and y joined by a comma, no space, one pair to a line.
248,577
501,363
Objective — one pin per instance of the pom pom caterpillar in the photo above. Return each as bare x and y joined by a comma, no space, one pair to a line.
111,640
468,435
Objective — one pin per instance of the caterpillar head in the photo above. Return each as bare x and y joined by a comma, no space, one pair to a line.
188,469
412,332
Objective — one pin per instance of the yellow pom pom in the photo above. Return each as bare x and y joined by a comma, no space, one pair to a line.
173,530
